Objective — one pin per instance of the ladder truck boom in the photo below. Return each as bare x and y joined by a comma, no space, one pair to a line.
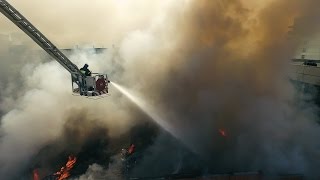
84,84
19,20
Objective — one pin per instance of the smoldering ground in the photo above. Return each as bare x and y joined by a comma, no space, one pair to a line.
205,65
90,141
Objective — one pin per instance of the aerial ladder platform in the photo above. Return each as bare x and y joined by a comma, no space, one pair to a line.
94,85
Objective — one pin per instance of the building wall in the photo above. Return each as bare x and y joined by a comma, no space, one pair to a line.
306,74
309,49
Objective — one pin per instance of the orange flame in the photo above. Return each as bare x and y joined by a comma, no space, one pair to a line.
36,175
223,132
131,149
64,172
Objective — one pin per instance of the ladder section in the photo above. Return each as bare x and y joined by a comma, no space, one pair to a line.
11,13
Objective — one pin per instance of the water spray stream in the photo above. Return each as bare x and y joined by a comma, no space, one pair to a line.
147,109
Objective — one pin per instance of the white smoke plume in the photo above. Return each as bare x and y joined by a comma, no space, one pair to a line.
36,94
39,115
96,171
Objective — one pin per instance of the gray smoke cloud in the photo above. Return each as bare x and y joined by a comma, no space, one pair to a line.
223,65
39,115
231,75
96,171
206,65
36,100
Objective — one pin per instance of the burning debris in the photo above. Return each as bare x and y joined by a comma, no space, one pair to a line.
131,149
64,172
222,132
36,174
96,147
129,160
126,153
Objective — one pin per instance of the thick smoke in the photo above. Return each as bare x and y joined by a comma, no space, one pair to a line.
96,171
207,65
224,65
41,113
226,68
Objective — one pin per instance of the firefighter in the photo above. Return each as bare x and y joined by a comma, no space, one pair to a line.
85,70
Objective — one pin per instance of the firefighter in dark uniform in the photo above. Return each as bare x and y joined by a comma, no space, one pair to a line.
84,70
